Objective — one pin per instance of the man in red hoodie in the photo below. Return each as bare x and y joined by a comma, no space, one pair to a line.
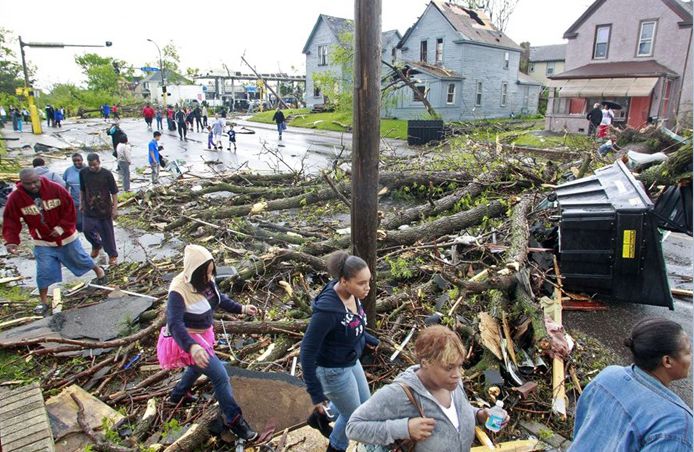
49,212
148,113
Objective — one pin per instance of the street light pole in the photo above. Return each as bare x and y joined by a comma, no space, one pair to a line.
28,90
161,71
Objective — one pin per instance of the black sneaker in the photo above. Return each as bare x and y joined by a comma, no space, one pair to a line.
187,399
240,428
320,422
42,309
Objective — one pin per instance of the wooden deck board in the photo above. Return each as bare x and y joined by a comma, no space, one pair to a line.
24,424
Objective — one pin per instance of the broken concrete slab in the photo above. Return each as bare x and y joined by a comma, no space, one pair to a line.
62,413
101,322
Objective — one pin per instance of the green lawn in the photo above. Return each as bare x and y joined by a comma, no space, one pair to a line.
335,121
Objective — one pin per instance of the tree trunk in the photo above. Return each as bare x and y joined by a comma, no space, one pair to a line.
517,252
446,225
198,433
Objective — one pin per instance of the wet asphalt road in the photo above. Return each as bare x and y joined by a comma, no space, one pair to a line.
613,325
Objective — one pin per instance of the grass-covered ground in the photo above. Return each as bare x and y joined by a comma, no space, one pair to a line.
337,121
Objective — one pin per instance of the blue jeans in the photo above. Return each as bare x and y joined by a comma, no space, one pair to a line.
217,374
346,388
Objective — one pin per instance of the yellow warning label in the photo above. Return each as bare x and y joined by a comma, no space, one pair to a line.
629,245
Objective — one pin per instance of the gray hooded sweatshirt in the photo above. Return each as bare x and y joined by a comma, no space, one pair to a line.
383,418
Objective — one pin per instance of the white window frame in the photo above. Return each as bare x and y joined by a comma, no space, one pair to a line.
323,55
504,93
450,94
507,57
607,43
438,57
478,94
549,68
642,39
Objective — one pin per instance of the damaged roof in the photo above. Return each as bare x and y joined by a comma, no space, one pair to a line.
472,25
555,52
339,25
430,69
649,68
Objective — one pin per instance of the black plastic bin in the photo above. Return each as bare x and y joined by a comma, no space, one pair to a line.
423,131
609,241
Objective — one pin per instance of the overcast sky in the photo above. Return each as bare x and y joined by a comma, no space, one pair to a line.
271,32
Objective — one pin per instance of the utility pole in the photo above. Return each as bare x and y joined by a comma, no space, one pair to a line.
366,138
279,99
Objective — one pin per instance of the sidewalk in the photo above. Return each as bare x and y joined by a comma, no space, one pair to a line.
18,140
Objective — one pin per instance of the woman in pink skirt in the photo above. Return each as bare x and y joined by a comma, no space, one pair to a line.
187,340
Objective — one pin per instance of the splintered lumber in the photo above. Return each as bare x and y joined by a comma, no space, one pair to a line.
57,301
145,423
24,423
520,445
446,225
559,401
276,327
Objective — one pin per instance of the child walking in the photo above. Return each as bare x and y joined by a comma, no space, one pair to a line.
210,138
232,137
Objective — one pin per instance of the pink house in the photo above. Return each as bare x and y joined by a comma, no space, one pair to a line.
636,53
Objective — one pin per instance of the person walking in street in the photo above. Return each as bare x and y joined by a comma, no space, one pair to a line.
39,165
117,136
153,156
188,338
158,117
58,117
49,212
447,421
124,158
197,115
148,114
218,130
115,112
633,408
606,121
279,119
50,113
210,138
189,118
170,121
71,176
99,204
334,342
18,119
181,124
204,115
106,111
232,137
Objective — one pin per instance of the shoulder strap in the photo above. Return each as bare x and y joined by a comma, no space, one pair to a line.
410,396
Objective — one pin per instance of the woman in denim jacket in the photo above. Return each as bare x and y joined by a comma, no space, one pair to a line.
631,408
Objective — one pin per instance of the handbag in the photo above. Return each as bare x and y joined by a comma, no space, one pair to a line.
162,161
401,445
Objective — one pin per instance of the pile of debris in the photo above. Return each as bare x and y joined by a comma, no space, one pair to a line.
466,243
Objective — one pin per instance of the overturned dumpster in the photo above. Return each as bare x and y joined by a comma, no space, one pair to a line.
609,242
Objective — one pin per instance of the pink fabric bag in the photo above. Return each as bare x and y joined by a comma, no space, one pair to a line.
171,356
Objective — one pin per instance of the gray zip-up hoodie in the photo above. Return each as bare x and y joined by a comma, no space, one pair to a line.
383,418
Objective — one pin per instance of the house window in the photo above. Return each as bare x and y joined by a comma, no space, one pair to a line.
478,95
550,68
506,58
504,93
145,86
421,89
316,91
450,97
602,41
322,55
646,36
439,51
526,98
423,51
532,67
393,55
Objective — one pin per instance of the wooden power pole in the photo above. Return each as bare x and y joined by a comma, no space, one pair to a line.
366,138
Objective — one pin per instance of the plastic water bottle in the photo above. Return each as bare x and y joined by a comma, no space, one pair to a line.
496,417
